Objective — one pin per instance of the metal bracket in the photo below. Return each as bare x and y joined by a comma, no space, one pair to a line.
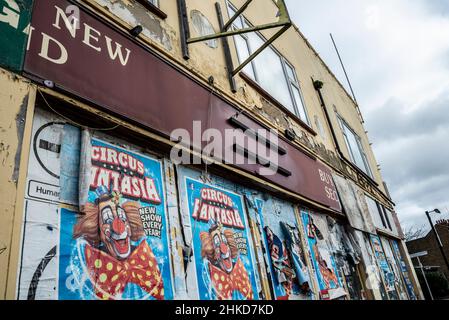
284,22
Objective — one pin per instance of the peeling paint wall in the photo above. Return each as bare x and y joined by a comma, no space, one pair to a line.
207,59
203,27
135,14
14,99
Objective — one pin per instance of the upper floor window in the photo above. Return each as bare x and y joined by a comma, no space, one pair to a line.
355,148
154,2
382,217
269,69
376,215
390,220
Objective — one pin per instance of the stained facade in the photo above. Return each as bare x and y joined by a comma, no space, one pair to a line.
95,207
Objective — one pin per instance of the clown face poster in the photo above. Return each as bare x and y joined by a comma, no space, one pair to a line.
116,248
221,243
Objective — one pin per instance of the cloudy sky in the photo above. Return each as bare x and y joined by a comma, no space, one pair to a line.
397,55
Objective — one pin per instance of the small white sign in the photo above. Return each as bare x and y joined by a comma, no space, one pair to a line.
419,254
43,191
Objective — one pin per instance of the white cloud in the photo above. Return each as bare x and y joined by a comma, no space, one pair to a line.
397,54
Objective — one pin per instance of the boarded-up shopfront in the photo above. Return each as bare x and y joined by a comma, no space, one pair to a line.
108,214
97,226
362,213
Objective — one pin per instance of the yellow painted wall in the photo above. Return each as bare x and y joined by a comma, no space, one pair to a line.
16,95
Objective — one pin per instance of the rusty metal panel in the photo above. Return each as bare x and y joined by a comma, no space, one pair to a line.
15,18
95,62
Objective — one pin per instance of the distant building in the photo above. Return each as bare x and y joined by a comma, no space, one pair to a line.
429,243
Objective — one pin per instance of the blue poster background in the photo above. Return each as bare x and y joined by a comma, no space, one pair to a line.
383,263
205,289
74,280
403,266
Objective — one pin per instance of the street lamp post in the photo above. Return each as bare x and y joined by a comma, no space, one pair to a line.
440,244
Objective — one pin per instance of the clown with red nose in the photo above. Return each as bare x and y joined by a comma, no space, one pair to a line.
114,227
116,254
228,275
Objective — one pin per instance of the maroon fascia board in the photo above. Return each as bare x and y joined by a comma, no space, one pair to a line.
148,91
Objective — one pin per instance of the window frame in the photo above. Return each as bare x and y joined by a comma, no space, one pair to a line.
387,218
248,47
294,83
381,214
291,83
386,215
343,126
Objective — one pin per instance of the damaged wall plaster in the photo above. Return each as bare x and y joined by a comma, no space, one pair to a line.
203,27
134,14
14,96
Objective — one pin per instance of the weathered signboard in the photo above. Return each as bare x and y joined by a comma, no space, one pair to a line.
129,257
405,274
15,18
326,270
291,278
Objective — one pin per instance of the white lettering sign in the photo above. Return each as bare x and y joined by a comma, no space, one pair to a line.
331,193
91,37
11,14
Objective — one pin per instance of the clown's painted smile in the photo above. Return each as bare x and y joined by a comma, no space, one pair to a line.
121,244
226,262
223,252
115,230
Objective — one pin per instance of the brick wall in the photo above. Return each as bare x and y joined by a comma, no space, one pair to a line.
430,244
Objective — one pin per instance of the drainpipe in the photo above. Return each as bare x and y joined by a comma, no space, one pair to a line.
318,85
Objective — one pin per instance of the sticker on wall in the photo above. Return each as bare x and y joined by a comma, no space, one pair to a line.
221,243
117,248
326,270
374,278
45,157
